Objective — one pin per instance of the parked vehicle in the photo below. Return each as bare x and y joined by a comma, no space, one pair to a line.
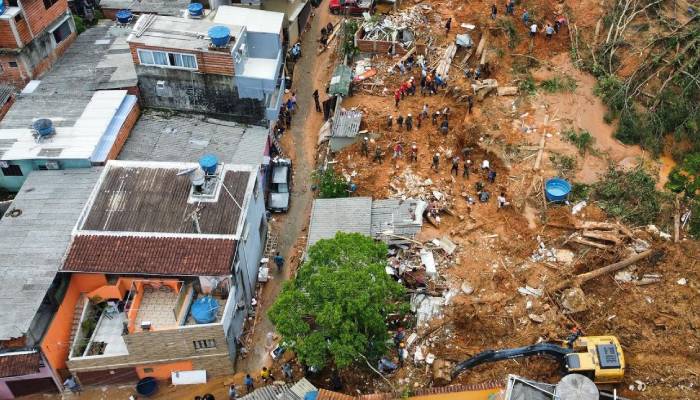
280,183
355,7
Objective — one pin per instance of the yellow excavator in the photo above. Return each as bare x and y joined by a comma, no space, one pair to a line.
599,358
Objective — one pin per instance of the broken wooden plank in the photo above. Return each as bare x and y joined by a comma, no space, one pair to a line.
467,56
583,241
583,278
481,46
538,160
604,236
507,90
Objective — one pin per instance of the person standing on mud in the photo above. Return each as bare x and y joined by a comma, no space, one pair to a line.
399,121
377,155
414,153
448,26
409,122
436,114
467,165
389,122
455,166
444,127
365,147
494,11
470,103
549,31
436,161
419,119
318,104
397,97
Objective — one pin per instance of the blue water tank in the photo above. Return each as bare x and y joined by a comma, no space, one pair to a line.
208,162
219,35
196,9
204,310
43,126
557,189
124,16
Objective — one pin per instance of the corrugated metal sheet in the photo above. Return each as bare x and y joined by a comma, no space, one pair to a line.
329,216
301,388
268,392
33,243
346,124
396,217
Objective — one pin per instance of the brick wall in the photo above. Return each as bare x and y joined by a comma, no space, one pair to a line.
15,76
39,17
382,46
7,37
165,347
23,30
124,131
219,63
5,107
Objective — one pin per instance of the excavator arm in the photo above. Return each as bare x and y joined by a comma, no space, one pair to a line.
541,349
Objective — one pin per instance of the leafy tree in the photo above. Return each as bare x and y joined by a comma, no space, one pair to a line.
335,308
686,176
630,196
330,184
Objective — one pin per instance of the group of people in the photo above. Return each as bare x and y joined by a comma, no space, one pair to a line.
549,28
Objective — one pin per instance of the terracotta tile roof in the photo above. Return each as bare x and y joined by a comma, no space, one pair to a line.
150,255
324,394
457,388
21,364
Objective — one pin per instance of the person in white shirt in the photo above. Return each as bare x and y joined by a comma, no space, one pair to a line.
485,164
502,200
533,30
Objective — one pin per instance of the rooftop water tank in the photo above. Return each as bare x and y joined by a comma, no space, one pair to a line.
43,127
195,9
124,16
208,162
556,189
204,310
219,35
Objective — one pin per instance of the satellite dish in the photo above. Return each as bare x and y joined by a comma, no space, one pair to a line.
576,387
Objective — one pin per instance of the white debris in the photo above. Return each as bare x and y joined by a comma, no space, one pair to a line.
536,318
578,207
655,231
467,288
640,245
530,291
564,256
426,257
682,281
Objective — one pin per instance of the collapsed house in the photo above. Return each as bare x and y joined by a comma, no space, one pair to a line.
392,221
394,34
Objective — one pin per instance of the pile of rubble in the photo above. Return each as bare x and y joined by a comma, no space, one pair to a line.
399,27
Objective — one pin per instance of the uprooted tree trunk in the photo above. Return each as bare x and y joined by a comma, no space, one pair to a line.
583,278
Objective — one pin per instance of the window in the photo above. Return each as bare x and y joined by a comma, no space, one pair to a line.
12,170
62,32
167,59
13,3
148,370
12,64
18,17
49,3
204,344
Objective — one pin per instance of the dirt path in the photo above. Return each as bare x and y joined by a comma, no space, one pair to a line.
300,144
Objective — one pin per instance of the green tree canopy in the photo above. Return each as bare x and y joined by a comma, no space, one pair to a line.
335,308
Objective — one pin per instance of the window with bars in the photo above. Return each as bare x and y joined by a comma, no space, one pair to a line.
204,344
167,59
